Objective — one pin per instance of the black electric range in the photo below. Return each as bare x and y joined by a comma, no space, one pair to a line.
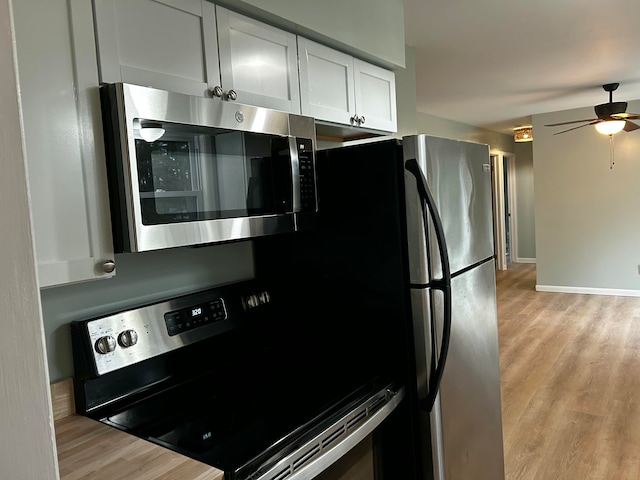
222,376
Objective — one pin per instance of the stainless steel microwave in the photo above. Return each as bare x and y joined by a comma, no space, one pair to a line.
188,170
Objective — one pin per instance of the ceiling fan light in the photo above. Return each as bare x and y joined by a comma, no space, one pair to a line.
523,134
610,127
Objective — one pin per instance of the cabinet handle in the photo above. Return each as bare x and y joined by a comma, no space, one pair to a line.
355,120
361,120
232,95
109,266
216,91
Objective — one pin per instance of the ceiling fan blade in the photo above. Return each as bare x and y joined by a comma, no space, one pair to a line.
573,121
579,126
630,126
627,116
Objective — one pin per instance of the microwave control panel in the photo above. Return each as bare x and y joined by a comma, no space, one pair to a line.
308,202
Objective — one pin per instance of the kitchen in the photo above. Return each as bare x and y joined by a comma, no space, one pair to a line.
233,261
227,260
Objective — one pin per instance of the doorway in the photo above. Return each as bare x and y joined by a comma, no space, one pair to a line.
504,208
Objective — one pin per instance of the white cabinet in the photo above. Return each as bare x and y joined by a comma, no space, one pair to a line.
257,61
166,44
336,87
63,138
375,96
327,85
198,48
192,47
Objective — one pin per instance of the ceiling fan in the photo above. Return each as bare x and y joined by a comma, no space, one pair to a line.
611,117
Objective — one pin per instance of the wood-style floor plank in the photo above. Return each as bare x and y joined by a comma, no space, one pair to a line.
570,385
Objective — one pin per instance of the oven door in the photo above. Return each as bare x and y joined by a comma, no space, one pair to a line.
186,170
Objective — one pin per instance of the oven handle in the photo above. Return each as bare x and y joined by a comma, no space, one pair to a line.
295,174
327,456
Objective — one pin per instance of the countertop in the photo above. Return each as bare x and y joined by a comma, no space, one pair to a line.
90,449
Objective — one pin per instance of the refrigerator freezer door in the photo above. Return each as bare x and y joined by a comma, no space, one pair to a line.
459,176
469,421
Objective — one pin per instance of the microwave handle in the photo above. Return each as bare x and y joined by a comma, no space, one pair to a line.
295,175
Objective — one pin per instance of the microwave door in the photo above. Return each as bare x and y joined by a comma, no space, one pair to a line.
284,181
262,187
270,175
219,172
230,183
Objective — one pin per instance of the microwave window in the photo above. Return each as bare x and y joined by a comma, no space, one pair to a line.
164,166
197,173
169,209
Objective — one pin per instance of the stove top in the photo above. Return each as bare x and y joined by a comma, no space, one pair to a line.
237,425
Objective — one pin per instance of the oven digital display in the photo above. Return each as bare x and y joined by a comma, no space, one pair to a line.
186,319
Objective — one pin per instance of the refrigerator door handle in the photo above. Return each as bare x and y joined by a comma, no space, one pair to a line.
443,284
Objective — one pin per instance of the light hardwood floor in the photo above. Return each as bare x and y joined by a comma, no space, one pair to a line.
570,375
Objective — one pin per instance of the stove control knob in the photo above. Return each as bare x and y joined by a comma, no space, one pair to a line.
264,297
128,338
105,344
252,301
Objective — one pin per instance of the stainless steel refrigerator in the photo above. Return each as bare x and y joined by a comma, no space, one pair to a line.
453,304
399,274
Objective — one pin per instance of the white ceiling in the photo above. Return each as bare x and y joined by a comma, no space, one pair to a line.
493,64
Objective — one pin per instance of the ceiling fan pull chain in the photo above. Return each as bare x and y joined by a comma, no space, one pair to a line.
611,160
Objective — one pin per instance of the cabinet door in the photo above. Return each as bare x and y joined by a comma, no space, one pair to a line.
258,62
327,88
63,139
166,44
375,96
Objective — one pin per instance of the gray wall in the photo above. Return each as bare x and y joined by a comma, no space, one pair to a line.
441,127
586,214
525,213
371,29
406,95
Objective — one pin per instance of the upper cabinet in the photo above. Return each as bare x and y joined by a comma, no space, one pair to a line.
194,47
375,96
166,44
63,138
198,48
336,87
258,62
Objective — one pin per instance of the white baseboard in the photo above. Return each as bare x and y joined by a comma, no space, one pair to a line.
588,290
525,260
